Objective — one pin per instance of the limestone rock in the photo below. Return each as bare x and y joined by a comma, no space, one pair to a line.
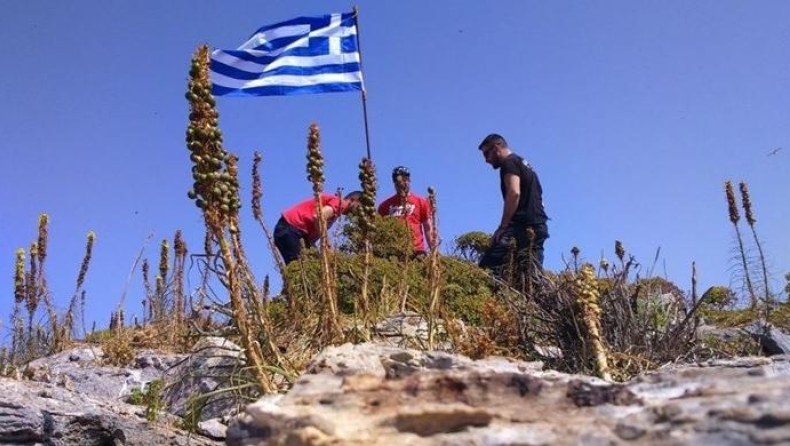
44,413
370,394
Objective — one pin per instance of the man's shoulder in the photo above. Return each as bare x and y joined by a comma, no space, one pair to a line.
389,200
516,163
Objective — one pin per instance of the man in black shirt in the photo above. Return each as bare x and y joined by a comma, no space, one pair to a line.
523,205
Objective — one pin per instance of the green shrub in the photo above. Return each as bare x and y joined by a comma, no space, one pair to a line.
464,286
390,238
471,245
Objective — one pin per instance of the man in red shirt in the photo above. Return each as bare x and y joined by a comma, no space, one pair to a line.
299,223
412,208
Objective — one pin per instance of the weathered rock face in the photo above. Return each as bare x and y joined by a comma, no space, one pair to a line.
373,395
207,370
73,395
33,413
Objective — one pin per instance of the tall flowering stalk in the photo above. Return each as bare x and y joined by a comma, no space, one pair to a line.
41,290
435,270
215,191
161,281
257,212
587,299
735,217
746,201
367,215
180,251
315,173
20,294
78,298
619,251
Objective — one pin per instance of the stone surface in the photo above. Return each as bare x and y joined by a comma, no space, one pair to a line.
207,370
82,369
380,395
79,374
33,413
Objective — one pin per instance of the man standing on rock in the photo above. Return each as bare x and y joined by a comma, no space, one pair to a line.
523,216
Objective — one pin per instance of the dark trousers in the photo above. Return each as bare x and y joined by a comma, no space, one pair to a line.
495,255
289,240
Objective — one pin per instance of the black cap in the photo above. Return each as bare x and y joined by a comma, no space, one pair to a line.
400,171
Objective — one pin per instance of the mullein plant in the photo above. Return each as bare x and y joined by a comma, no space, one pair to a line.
619,251
215,191
180,250
588,302
148,305
366,217
78,298
257,212
315,174
435,270
20,295
160,297
748,212
40,290
734,219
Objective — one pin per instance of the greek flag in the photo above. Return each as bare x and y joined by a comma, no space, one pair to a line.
304,55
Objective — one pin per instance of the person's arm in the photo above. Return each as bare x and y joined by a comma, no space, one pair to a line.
512,197
328,213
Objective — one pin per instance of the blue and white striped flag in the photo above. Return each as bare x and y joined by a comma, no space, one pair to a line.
304,55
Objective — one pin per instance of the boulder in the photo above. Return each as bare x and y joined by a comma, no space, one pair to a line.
370,394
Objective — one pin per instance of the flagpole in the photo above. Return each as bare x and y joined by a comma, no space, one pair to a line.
364,91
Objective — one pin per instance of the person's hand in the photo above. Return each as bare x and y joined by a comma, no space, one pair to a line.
497,235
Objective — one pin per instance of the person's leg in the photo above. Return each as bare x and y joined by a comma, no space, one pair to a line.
541,234
288,240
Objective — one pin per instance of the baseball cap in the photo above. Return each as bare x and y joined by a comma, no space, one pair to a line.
400,171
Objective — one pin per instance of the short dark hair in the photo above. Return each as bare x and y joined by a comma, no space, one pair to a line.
353,195
492,138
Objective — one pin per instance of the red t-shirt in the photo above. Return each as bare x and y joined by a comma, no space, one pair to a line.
417,212
303,217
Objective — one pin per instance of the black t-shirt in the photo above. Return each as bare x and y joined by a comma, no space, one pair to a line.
530,205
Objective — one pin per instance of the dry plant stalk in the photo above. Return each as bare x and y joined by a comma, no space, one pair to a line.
179,298
746,201
587,297
160,297
19,297
257,212
215,192
367,215
403,196
78,298
734,218
315,173
40,290
435,270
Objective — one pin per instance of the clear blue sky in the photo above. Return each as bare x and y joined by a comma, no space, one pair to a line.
632,113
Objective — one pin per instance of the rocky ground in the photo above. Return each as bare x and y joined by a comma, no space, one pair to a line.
382,394
372,395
